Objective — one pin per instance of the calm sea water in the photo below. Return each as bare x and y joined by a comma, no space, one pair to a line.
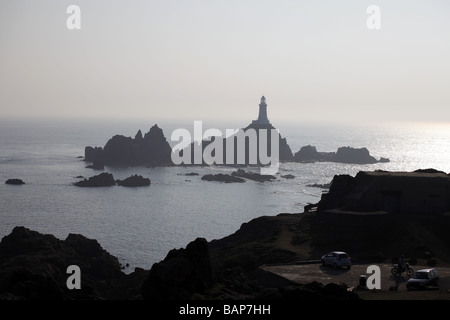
140,225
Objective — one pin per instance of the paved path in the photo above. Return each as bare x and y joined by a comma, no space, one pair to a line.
305,273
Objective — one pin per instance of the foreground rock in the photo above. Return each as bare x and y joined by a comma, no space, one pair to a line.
134,181
181,274
14,181
343,155
191,273
220,177
102,180
33,266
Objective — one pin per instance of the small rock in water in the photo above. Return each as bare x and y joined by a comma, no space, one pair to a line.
102,180
134,181
14,181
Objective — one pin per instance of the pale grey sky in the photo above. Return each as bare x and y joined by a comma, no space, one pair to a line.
209,59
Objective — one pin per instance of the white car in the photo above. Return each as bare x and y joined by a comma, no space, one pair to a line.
423,278
337,259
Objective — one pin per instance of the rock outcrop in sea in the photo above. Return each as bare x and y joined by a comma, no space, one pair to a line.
152,149
251,138
244,147
134,181
343,155
92,154
222,177
15,181
253,176
102,180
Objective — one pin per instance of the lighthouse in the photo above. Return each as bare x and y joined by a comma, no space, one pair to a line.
263,123
262,116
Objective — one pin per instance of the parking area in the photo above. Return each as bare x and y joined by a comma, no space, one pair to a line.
305,273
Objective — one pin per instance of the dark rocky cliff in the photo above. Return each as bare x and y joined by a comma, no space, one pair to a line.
152,149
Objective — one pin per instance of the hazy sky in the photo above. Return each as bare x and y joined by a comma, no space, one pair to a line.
210,59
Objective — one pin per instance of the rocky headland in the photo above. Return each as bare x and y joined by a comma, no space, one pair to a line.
33,265
422,192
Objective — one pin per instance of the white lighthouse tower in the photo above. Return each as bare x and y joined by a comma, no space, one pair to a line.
262,116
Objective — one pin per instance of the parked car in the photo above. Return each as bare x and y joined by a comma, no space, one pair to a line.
337,259
423,278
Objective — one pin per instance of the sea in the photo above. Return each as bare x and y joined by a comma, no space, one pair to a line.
141,225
